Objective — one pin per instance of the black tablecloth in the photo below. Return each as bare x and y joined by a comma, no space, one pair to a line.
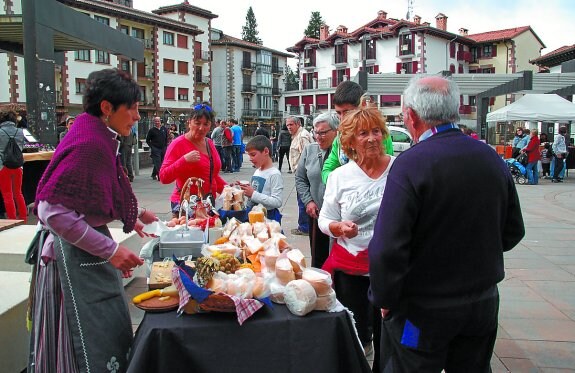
271,341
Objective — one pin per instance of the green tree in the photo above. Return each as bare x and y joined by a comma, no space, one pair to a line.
250,30
291,80
315,21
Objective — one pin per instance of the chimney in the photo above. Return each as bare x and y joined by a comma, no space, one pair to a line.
342,29
441,21
382,14
417,19
323,31
463,31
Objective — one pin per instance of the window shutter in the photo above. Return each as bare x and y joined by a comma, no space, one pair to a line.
452,50
375,69
452,68
347,72
491,101
460,69
460,99
345,53
414,66
304,81
398,68
494,50
334,78
413,42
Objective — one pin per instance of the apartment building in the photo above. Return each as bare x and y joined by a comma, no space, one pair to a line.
248,80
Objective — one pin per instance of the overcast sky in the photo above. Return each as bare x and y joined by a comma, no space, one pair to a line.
281,24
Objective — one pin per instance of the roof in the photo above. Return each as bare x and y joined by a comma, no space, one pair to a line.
186,7
556,57
227,40
500,35
128,13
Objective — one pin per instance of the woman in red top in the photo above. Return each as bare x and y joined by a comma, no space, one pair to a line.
193,155
533,157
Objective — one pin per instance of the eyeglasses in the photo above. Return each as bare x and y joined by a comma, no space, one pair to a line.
322,133
203,106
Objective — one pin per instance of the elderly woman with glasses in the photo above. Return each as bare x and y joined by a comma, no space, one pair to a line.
309,185
193,155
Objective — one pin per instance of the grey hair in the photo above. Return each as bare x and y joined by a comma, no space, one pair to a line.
330,118
295,119
434,106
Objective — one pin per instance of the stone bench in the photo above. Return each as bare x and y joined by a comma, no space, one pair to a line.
14,286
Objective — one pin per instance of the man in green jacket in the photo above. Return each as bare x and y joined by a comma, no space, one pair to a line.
347,97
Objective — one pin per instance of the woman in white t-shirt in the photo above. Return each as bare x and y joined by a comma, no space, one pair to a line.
350,207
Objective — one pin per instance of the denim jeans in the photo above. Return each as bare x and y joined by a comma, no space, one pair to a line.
303,218
236,160
532,173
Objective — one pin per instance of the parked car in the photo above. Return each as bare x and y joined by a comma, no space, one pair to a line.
401,139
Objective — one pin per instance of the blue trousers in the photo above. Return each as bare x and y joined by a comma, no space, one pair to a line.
236,160
303,218
532,173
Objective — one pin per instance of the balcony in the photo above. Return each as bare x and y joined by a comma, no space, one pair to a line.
149,73
249,113
277,114
249,89
202,56
276,70
203,79
248,65
465,109
59,98
148,43
464,56
276,91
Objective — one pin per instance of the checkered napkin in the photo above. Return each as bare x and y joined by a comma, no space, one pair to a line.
245,308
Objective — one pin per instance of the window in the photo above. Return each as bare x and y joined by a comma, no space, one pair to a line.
308,80
341,53
182,68
309,57
169,66
340,74
80,86
137,33
405,44
452,50
472,100
370,50
183,94
169,93
83,55
103,20
246,103
488,70
102,57
143,94
125,65
168,38
487,51
182,41
397,136
125,29
247,60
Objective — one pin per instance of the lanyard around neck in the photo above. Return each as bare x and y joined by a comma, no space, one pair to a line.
437,129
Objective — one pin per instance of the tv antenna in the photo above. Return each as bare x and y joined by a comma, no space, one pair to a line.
409,9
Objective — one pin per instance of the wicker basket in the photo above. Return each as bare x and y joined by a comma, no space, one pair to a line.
218,303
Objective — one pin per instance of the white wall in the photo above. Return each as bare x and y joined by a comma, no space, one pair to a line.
219,81
4,78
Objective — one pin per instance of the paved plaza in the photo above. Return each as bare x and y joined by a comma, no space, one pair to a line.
537,312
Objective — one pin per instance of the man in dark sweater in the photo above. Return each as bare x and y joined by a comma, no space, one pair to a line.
157,140
449,211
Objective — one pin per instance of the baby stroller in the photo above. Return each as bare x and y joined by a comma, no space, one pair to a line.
517,169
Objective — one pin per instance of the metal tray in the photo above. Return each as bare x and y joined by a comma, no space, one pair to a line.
181,243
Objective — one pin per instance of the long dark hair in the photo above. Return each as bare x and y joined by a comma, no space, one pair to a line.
113,85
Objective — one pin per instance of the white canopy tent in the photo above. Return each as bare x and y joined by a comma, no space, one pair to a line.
536,108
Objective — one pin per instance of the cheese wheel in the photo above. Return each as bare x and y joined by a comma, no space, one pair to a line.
300,297
326,302
277,292
284,271
319,279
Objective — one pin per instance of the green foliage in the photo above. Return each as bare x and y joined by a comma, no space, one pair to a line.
250,30
291,80
315,21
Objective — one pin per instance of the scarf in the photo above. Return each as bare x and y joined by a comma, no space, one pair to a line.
85,174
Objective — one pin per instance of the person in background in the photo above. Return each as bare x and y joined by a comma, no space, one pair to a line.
350,204
80,317
348,96
11,178
300,137
543,138
284,143
533,157
519,135
546,157
559,148
261,131
227,146
266,186
69,123
309,185
238,136
434,280
193,155
126,147
274,140
216,137
157,140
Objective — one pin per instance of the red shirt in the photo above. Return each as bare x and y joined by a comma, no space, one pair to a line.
532,150
175,168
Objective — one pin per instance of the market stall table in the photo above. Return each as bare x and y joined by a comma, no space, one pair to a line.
270,341
9,223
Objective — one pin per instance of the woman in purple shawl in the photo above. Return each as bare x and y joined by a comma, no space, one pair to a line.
80,318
